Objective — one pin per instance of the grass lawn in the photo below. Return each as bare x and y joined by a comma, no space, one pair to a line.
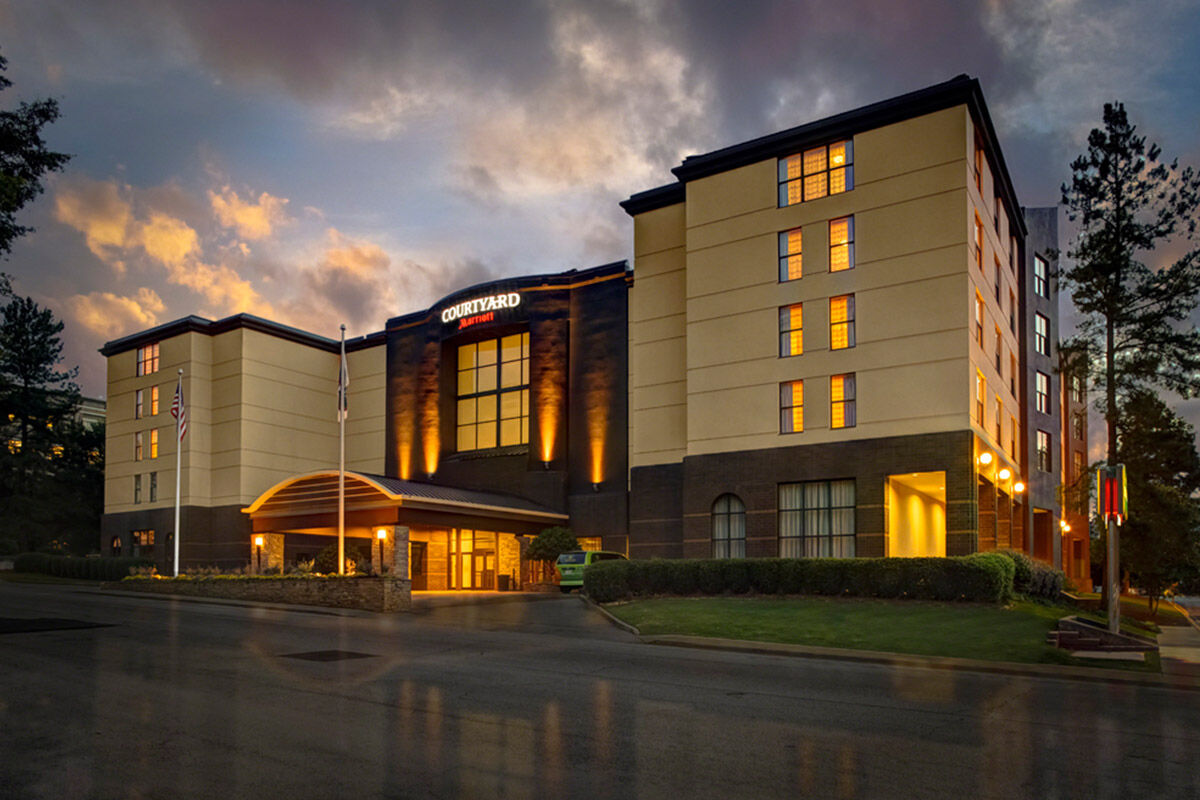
1133,607
963,630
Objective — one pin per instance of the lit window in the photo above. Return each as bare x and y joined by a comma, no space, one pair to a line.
729,527
816,519
999,422
841,322
841,244
1043,393
137,446
153,486
1043,451
979,319
816,173
1079,466
137,489
978,164
137,404
115,544
1040,284
978,242
980,393
1041,334
791,330
791,407
791,266
1077,392
153,401
140,540
493,393
154,443
842,400
147,359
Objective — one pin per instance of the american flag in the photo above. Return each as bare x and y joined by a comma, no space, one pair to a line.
178,411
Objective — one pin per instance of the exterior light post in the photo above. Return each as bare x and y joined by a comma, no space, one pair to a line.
381,534
258,545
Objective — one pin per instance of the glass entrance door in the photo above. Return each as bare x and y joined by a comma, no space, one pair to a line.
472,559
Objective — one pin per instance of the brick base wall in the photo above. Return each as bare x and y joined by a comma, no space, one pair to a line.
368,594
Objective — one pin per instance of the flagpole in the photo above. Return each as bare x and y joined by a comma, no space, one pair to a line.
178,469
342,389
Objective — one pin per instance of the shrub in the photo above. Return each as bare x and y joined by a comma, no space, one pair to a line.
9,547
106,568
552,543
985,577
326,561
1034,578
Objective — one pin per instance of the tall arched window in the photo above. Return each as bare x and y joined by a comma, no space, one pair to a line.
729,527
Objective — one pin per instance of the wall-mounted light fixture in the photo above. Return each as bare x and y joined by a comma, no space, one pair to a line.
985,458
595,486
1004,474
258,545
381,534
1018,487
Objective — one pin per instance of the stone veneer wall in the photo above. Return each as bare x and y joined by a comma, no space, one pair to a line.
368,594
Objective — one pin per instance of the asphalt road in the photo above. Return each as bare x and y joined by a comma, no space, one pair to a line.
167,698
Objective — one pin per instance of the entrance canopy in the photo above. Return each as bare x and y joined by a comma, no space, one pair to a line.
311,501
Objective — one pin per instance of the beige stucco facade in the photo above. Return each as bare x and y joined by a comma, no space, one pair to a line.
260,408
705,366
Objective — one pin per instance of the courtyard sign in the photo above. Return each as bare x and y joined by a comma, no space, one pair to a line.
481,309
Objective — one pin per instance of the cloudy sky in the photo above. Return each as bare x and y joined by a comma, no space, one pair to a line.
326,161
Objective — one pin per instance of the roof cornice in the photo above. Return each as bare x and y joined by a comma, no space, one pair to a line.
195,324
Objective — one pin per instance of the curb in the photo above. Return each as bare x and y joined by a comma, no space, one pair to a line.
1090,674
625,626
225,601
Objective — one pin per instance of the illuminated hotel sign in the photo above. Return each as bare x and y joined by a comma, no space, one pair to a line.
481,309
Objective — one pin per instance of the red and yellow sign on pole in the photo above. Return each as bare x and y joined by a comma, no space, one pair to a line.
1112,497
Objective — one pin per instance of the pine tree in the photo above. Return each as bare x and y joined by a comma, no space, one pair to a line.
1135,324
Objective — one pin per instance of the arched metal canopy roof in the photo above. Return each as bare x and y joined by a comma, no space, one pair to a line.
317,492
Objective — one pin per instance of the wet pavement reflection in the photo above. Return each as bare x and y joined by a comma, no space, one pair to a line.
532,700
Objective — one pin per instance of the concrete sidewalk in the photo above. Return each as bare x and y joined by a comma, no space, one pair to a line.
1179,648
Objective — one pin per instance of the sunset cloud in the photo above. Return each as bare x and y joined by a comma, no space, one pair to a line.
97,210
251,220
111,316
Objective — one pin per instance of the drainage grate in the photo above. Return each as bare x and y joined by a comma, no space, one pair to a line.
11,625
328,655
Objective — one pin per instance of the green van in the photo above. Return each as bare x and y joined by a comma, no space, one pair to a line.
570,566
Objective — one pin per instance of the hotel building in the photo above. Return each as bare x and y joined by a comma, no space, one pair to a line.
472,426
839,342
832,344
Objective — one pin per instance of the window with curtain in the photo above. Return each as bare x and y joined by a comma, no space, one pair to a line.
817,172
493,393
1043,392
1041,334
979,319
1041,286
729,527
791,263
147,359
842,401
841,322
791,407
816,519
841,244
1043,451
791,330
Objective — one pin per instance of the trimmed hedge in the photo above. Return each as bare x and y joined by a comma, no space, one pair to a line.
1033,578
984,577
105,568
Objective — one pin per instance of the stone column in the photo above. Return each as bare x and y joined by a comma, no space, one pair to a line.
397,588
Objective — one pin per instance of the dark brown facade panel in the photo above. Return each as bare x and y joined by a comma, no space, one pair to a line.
755,475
